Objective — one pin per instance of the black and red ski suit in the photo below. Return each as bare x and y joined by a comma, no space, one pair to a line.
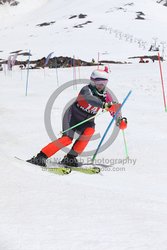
87,104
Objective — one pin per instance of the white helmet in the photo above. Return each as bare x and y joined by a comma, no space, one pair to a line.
99,76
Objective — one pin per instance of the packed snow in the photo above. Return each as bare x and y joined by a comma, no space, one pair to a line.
124,207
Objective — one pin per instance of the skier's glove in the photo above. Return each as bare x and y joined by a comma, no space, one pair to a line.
111,107
122,123
107,105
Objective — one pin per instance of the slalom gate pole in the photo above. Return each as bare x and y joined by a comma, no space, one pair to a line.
80,123
28,69
162,81
21,73
125,144
111,122
57,77
4,67
74,72
79,70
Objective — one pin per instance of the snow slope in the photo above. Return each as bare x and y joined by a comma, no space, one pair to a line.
124,208
19,30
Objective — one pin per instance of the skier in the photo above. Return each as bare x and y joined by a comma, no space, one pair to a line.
90,99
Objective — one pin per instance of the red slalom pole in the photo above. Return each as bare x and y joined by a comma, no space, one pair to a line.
162,81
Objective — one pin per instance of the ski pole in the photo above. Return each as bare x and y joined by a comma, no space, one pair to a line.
125,144
28,69
80,123
111,122
162,81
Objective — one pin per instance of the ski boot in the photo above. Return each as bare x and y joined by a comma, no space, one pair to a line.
70,160
40,159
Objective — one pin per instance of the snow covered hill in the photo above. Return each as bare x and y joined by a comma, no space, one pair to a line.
116,29
164,2
123,208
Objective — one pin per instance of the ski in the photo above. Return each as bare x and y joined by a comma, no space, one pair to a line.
87,170
60,170
67,170
81,168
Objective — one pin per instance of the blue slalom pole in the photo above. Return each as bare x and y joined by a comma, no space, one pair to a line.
28,73
111,122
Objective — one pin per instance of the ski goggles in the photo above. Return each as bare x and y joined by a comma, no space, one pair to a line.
99,81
